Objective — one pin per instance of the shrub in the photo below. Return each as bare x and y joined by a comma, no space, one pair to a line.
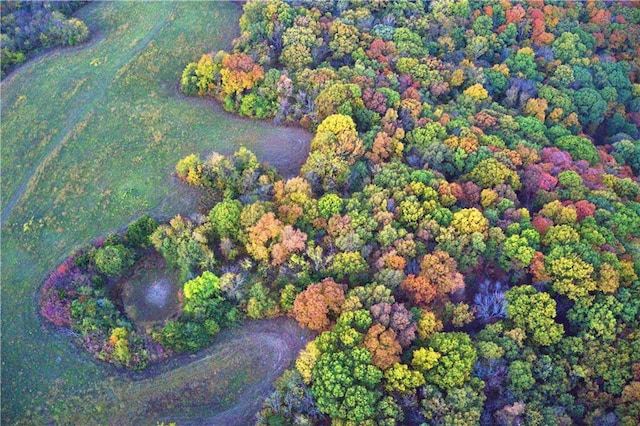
113,260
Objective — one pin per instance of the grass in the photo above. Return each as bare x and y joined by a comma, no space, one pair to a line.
210,384
90,136
220,385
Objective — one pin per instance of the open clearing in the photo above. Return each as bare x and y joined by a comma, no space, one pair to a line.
90,136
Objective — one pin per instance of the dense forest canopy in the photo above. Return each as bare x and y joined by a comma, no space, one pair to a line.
30,26
464,235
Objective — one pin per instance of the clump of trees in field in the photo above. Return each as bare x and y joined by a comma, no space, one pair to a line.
76,297
31,26
464,235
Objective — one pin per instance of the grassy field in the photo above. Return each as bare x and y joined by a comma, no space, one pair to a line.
220,385
90,137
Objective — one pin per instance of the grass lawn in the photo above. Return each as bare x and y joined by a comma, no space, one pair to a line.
90,136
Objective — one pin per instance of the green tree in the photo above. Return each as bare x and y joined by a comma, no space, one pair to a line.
400,378
345,385
348,265
454,364
184,336
113,260
590,106
579,148
490,172
534,313
568,46
138,233
204,302
571,275
329,204
224,218
520,376
596,319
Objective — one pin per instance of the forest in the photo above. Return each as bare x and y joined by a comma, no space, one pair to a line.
32,26
463,237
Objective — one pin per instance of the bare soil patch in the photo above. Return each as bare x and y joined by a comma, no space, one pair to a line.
150,293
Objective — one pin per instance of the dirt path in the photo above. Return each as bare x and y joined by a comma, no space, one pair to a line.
259,350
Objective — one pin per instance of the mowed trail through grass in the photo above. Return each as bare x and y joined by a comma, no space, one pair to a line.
221,385
90,137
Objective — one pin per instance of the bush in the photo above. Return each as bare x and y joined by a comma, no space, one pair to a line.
113,260
184,337
65,32
138,233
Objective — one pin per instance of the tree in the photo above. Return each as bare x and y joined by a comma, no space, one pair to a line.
453,356
239,73
138,233
291,241
204,303
579,148
113,260
262,235
571,276
476,92
398,318
348,265
458,406
534,313
319,304
424,359
469,221
490,173
590,106
184,336
428,325
290,398
307,360
298,41
520,376
568,46
383,345
224,218
329,205
522,64
517,248
401,379
345,39
596,319
345,385
419,289
347,96
628,152
337,134
326,171
440,269
262,303
183,245
190,170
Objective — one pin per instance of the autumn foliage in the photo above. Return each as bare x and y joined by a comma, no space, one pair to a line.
319,304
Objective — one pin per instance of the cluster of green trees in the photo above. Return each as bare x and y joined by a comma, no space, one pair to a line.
30,26
465,233
78,296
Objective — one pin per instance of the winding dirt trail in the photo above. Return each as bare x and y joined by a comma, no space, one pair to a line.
255,354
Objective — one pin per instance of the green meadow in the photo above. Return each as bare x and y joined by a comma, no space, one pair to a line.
90,137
